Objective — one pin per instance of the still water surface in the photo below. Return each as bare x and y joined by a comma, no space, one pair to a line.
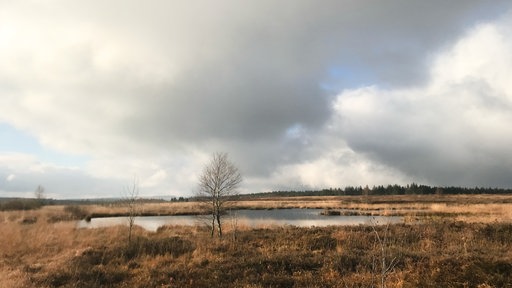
252,218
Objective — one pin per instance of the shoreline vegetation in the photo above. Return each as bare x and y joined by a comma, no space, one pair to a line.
469,208
461,241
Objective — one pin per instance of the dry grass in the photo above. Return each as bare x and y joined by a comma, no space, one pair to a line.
472,208
438,252
435,254
170,208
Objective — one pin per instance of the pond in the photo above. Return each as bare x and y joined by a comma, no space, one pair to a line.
251,218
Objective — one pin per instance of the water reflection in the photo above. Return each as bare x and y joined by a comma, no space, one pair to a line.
251,218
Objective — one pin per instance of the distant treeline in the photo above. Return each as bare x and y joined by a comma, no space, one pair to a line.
410,189
7,204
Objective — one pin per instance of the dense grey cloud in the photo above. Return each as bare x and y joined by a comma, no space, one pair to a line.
452,131
253,72
154,90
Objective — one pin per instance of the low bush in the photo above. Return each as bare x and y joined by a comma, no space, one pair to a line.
76,212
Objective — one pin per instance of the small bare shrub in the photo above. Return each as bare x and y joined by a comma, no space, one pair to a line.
76,212
29,220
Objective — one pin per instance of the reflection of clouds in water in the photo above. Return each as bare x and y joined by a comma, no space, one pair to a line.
249,218
323,222
150,223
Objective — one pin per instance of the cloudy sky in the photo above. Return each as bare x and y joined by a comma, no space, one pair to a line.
301,94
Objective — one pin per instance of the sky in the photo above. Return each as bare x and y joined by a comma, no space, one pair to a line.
96,95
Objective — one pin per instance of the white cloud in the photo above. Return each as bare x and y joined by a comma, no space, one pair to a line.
23,173
338,166
10,177
152,91
452,131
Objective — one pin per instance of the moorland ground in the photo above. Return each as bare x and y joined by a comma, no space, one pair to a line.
448,241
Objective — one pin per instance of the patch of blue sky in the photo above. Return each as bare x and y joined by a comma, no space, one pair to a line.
295,131
349,76
13,140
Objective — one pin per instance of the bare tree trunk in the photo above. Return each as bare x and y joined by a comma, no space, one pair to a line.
382,241
219,226
131,197
213,224
130,228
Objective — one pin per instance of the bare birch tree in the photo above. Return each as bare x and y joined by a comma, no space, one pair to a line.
386,264
131,195
39,193
218,184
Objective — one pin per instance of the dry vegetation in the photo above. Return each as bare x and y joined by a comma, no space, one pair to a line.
467,208
43,248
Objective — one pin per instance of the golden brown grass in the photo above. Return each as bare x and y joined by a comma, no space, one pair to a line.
472,208
434,254
168,208
438,252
